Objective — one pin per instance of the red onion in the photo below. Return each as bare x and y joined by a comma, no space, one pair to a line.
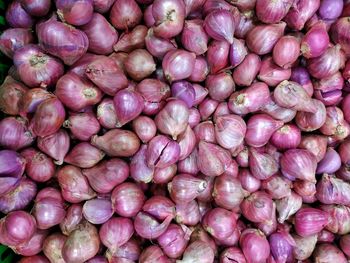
286,51
188,213
125,14
238,52
198,251
299,163
300,12
106,114
344,244
16,16
330,163
52,247
134,39
76,13
74,251
328,63
14,133
139,170
130,251
287,206
178,64
220,25
184,188
105,74
157,46
338,222
173,241
169,16
272,74
62,40
139,64
262,38
316,41
19,197
257,207
117,143
339,33
106,175
205,131
74,216
286,137
262,165
245,73
39,167
36,7
48,118
102,6
217,55
127,199
248,181
32,246
250,99
13,39
281,245
84,155
145,128
220,86
328,252
212,159
228,192
116,232
193,37
308,121
102,36
48,212
162,152
309,221
260,128
159,207
330,9
254,245
184,91
74,186
153,254
272,12
219,222
153,90
11,93
76,93
148,227
17,227
291,95
302,76
338,193
82,125
56,145
172,119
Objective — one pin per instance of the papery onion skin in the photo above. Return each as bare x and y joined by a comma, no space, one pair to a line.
76,13
309,221
272,12
16,16
11,93
13,39
301,12
52,247
36,7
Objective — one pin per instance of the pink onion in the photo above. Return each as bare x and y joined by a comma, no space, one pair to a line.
262,38
19,197
198,251
148,227
272,12
218,55
74,186
36,7
281,245
74,251
254,245
245,73
169,16
76,13
127,199
300,12
330,163
158,46
17,16
309,221
262,165
84,155
39,167
13,39
82,125
32,246
238,51
193,37
326,252
174,241
220,25
125,14
220,86
134,39
14,133
316,41
76,92
62,41
286,137
116,232
178,64
184,91
74,216
117,143
257,207
11,93
339,33
52,247
56,145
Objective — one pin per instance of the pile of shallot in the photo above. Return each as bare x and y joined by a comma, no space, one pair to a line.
187,131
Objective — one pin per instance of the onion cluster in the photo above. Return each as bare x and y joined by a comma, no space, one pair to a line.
188,131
